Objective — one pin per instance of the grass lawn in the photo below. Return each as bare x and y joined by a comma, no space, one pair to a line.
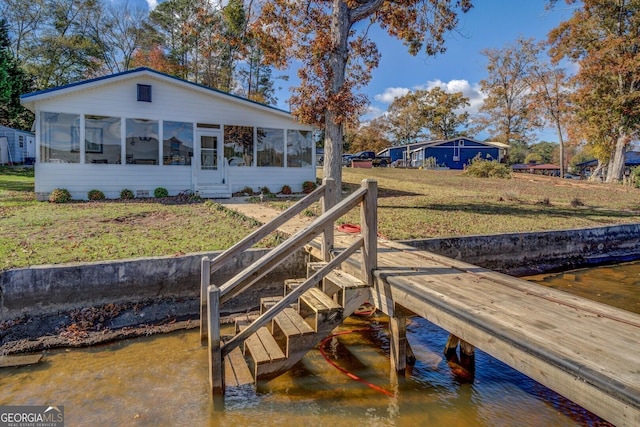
33,233
424,203
412,204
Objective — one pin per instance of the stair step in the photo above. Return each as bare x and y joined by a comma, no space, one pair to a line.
267,302
317,308
292,333
263,353
349,291
236,370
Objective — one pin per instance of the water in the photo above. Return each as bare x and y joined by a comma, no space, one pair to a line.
162,380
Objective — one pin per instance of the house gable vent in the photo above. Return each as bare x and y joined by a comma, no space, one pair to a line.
144,93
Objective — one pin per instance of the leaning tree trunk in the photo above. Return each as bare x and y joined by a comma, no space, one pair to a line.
616,164
595,176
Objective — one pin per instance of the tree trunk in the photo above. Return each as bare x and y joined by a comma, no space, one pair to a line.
597,173
561,142
616,164
340,24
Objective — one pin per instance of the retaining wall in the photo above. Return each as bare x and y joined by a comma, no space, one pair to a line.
521,254
48,289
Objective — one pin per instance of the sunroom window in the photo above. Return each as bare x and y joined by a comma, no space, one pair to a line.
299,148
238,145
270,147
59,138
102,139
142,142
177,145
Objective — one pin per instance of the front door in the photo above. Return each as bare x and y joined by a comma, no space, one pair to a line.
209,158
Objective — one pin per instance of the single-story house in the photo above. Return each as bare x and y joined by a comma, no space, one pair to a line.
142,129
17,146
457,153
401,152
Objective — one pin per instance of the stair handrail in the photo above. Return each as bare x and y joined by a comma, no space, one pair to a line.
254,272
266,229
366,196
290,298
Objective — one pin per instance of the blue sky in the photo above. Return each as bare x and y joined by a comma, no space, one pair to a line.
489,24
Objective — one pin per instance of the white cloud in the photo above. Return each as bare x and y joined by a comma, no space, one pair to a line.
473,92
390,94
152,4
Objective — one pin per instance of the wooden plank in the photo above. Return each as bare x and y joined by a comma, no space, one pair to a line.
19,360
298,322
270,345
205,281
216,361
237,373
319,301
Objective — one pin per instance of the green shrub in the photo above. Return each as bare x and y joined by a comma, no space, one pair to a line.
635,175
160,192
481,168
308,186
285,189
265,190
60,195
126,194
247,190
95,195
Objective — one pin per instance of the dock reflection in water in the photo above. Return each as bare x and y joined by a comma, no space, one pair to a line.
162,380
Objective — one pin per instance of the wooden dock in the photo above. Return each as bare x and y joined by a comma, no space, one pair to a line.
586,351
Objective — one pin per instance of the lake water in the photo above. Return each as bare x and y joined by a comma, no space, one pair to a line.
162,380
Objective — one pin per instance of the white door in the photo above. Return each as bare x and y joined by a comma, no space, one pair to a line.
209,158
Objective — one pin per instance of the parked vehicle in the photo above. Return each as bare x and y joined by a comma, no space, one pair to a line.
371,155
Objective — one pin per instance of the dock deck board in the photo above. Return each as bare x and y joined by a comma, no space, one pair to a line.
587,351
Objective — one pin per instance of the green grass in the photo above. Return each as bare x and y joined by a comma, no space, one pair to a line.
412,204
33,233
424,203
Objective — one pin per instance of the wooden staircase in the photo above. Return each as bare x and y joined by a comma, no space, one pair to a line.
270,343
295,330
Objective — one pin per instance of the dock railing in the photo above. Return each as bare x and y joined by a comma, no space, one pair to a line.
212,297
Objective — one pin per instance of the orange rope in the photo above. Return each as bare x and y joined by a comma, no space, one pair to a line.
343,370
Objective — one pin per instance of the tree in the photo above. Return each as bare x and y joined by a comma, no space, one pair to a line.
546,151
13,83
65,50
435,110
329,38
508,112
603,38
371,136
549,92
118,34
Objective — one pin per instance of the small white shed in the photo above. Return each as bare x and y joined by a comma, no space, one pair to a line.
20,146
142,129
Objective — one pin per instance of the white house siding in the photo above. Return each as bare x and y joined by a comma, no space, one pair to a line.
172,100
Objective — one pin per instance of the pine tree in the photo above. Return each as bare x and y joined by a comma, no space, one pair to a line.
13,83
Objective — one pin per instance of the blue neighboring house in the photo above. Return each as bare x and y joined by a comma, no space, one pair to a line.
458,152
401,152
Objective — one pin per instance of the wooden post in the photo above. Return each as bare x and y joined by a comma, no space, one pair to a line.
463,368
398,342
205,281
216,363
369,227
327,235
